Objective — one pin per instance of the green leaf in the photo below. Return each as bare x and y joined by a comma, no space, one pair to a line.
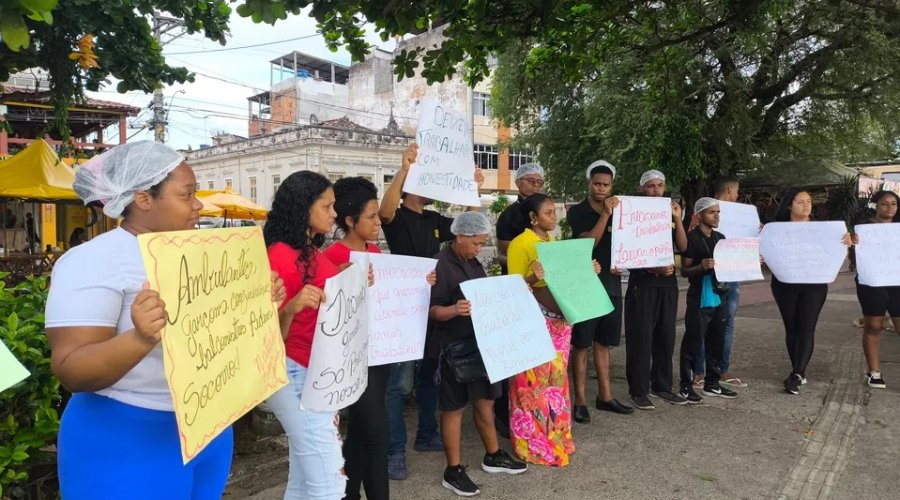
19,456
12,322
14,32
39,5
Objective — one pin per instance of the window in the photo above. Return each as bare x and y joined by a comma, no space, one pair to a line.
386,181
486,157
228,183
481,105
335,176
197,186
253,189
276,181
517,158
211,185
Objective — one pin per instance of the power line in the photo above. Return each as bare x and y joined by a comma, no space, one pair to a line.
242,46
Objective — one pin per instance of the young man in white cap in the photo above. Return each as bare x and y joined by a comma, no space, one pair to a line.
592,218
651,306
511,223
706,314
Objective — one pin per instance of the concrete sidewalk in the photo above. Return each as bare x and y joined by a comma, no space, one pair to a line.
837,439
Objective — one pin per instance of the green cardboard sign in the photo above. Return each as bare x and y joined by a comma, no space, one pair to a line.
569,272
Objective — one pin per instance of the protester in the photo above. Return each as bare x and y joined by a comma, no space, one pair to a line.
366,444
302,212
31,235
592,218
455,332
416,231
706,314
727,189
651,306
118,436
77,237
876,301
799,303
510,223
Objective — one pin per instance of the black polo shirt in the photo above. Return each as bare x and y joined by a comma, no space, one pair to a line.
511,222
699,247
417,235
451,271
582,219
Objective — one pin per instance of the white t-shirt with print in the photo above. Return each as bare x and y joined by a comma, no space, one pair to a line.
94,284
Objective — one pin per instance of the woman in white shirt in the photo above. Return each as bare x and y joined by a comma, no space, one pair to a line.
118,436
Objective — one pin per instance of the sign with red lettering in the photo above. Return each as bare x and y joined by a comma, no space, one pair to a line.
642,233
445,168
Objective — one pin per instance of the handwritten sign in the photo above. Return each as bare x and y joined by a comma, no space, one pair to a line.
222,347
398,307
642,233
738,220
509,327
737,259
11,371
804,252
878,254
338,365
445,167
567,268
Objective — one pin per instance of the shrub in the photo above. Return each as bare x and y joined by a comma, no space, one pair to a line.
29,419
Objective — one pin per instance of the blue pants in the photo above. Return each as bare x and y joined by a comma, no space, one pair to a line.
400,385
732,301
110,450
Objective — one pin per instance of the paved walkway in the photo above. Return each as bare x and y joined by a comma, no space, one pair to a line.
837,439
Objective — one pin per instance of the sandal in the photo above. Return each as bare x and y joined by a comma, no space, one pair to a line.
735,382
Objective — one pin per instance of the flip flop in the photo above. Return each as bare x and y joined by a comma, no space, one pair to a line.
735,382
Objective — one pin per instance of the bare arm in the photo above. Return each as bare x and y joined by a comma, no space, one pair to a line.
502,249
680,235
446,313
479,180
391,200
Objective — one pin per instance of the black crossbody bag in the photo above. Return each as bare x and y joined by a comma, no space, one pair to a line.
464,360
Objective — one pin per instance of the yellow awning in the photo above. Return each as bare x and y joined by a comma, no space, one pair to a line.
233,205
35,173
209,210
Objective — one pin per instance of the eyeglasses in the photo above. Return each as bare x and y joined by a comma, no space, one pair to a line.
533,182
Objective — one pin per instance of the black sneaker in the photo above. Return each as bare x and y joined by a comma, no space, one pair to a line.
875,380
792,384
581,414
669,397
718,391
501,462
457,481
642,403
690,395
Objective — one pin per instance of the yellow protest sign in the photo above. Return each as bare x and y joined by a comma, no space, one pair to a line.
222,346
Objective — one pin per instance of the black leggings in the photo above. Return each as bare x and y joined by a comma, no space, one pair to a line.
800,305
368,438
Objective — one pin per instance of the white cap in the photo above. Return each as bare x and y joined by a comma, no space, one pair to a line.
529,168
601,163
652,175
471,224
704,203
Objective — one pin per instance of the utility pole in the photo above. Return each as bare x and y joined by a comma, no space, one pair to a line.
161,26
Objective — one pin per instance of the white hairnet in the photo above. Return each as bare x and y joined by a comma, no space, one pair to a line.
652,175
529,168
471,224
601,163
114,176
704,203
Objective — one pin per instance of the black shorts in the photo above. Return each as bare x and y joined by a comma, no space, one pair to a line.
453,395
605,330
877,300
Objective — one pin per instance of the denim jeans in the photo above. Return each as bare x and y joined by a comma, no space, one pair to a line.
315,459
426,400
732,301
400,384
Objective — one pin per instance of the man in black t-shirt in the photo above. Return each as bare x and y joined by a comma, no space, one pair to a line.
651,307
411,229
706,314
592,219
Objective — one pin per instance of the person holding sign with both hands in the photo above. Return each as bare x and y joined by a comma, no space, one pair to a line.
118,437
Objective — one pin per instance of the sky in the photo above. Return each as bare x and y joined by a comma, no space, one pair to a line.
217,99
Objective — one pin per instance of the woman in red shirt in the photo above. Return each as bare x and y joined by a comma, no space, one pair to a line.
302,212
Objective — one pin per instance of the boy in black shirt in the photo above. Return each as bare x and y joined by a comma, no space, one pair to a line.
706,312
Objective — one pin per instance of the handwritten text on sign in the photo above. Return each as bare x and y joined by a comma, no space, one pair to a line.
737,259
222,345
509,327
567,268
878,254
338,364
398,307
445,167
804,252
738,220
642,233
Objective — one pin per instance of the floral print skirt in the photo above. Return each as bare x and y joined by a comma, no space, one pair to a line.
539,407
